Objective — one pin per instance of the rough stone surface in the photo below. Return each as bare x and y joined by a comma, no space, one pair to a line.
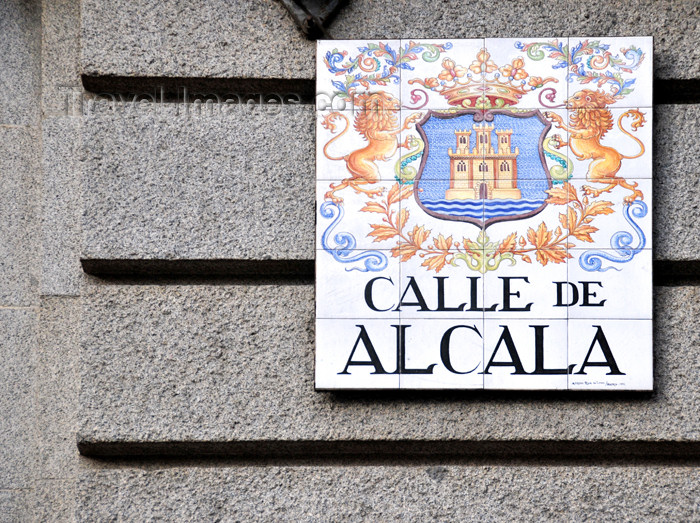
676,183
251,38
55,500
55,388
61,273
19,204
478,492
675,54
235,363
182,39
17,458
20,68
15,505
60,64
163,185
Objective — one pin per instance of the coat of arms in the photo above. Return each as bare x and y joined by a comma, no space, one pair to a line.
481,143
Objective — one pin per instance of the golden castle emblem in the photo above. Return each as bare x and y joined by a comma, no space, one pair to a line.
483,172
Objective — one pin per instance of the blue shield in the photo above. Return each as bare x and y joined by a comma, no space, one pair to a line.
483,167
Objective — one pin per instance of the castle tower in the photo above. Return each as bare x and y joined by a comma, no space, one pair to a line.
462,183
484,171
503,138
483,138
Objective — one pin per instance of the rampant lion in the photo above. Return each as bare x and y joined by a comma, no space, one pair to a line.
377,122
590,120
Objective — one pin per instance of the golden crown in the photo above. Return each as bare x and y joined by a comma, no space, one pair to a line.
483,85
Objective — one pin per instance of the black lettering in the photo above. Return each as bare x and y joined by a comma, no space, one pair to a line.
510,346
605,347
420,301
441,296
445,348
588,294
560,294
507,294
401,353
373,358
539,353
368,293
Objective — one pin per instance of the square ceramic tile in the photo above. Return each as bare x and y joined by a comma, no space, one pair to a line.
613,284
349,71
618,219
605,71
346,149
609,143
357,354
435,285
525,354
531,72
472,196
357,284
441,354
611,354
348,218
537,289
443,74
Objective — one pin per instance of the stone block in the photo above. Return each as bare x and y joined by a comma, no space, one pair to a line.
55,500
17,453
167,184
20,69
229,369
60,75
61,273
248,39
56,386
181,40
480,491
162,185
676,183
15,505
675,56
19,204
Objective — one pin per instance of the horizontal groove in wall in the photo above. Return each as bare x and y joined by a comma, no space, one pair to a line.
677,91
377,452
676,273
172,89
265,90
666,272
199,271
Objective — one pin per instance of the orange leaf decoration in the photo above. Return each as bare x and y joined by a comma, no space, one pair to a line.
436,263
418,235
541,237
583,233
382,232
442,243
373,207
507,245
526,258
401,221
597,208
405,250
561,195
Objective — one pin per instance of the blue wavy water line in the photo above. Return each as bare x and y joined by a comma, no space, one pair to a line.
620,242
345,243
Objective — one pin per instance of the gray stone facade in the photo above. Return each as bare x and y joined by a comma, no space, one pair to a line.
156,286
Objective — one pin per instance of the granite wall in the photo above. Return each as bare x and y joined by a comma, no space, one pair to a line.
156,285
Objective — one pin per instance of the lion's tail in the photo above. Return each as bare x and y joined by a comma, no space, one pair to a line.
638,122
328,123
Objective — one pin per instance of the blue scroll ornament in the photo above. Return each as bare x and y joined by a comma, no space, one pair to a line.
345,243
620,242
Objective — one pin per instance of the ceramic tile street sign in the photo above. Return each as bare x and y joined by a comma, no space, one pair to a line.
483,214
